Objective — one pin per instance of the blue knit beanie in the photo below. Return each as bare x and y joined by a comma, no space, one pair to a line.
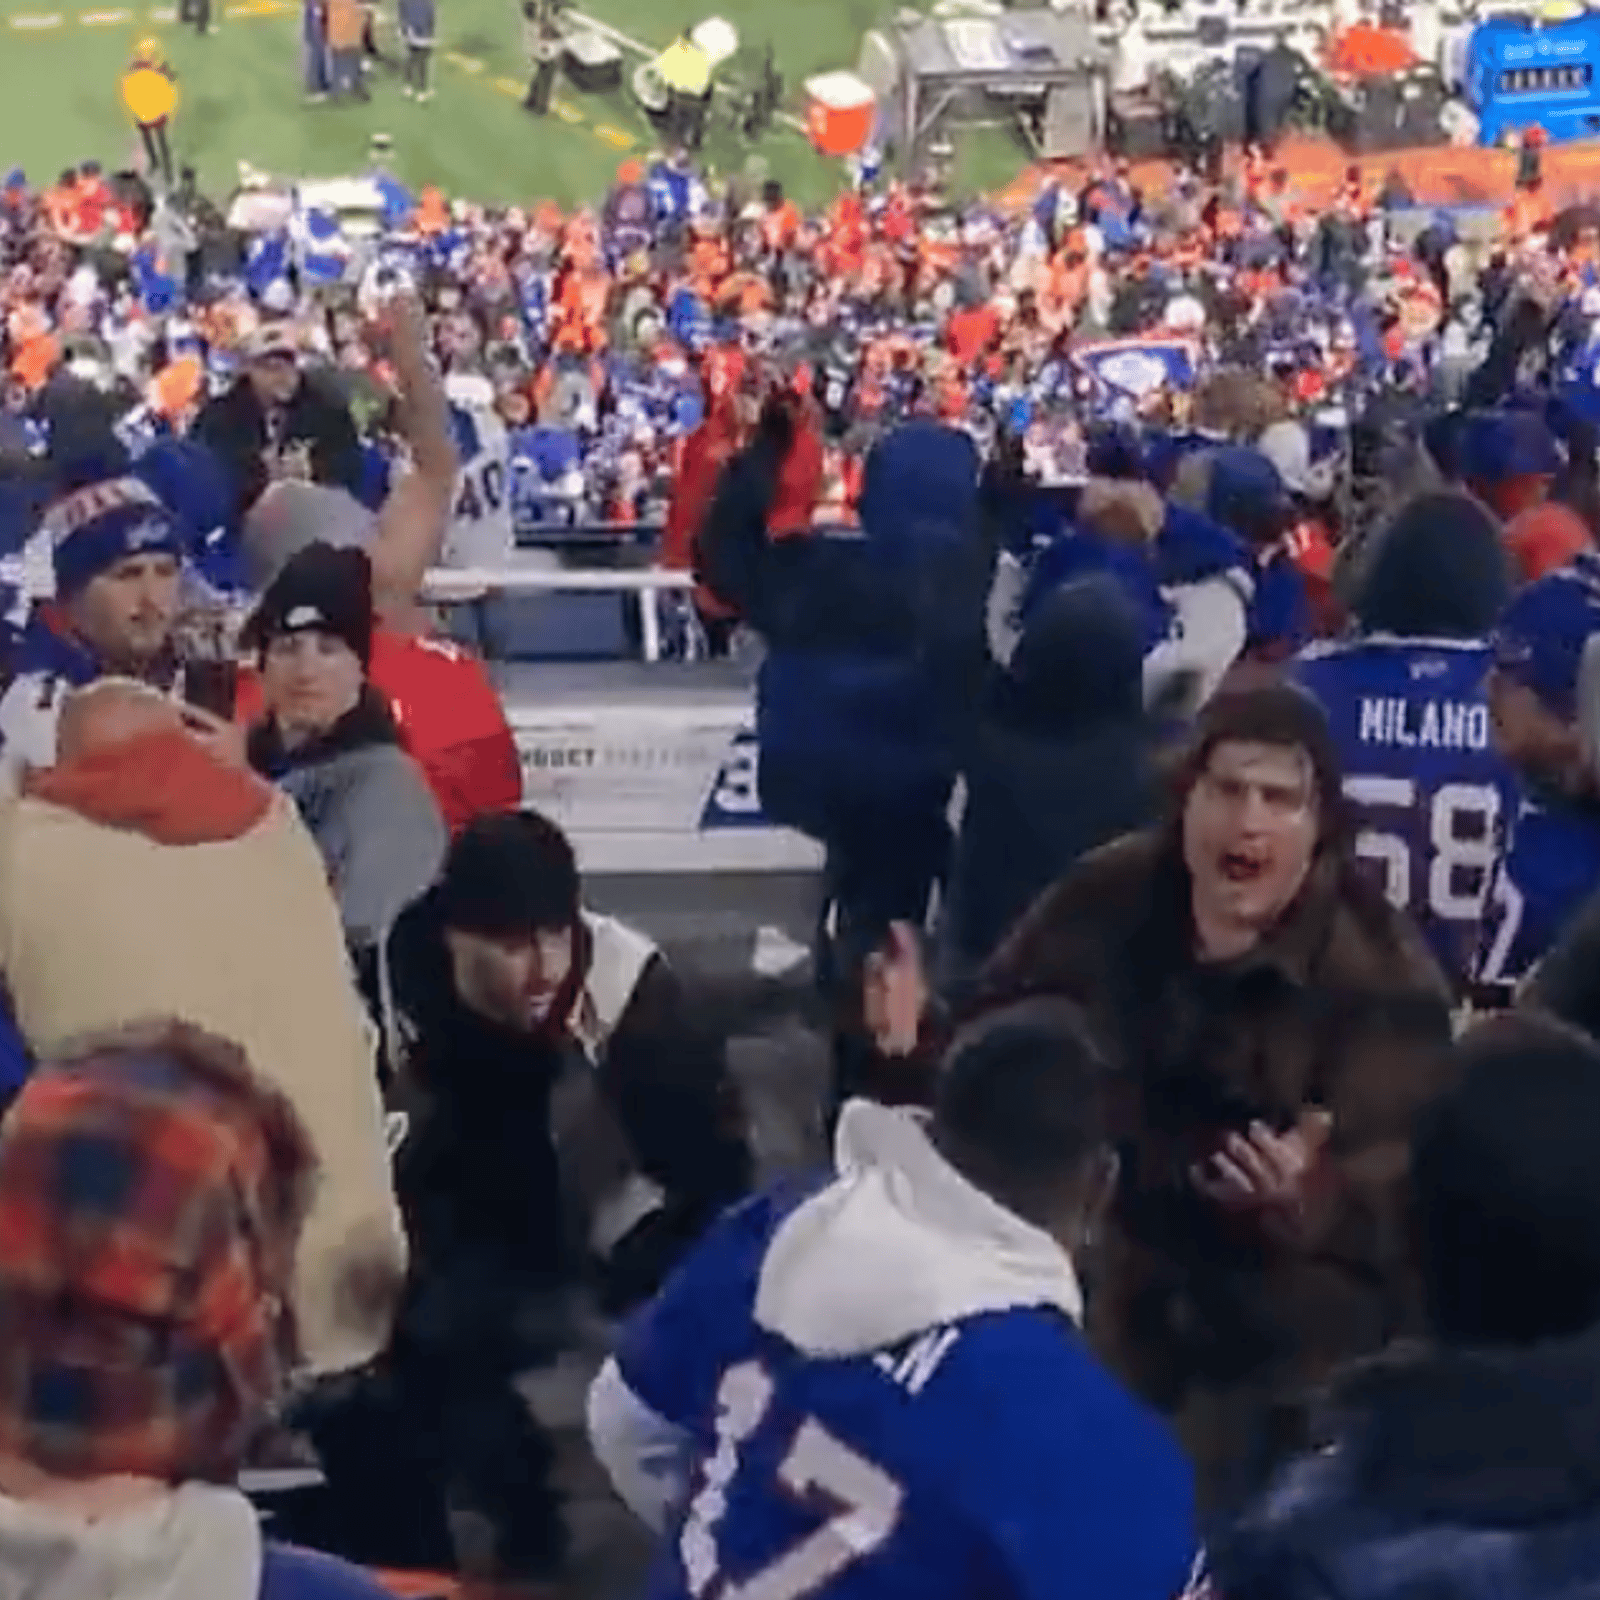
95,527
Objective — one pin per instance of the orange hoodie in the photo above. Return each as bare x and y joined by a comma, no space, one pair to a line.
164,785
1545,538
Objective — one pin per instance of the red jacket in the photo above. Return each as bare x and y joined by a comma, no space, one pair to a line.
705,453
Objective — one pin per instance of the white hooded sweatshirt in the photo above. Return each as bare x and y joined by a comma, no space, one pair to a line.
198,1543
899,1243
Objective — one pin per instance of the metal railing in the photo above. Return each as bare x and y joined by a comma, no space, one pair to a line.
534,533
465,585
617,557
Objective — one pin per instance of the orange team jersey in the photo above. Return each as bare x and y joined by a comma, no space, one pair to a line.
722,370
951,399
779,225
898,224
970,332
450,717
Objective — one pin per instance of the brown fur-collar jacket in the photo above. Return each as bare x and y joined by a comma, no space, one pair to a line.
1340,1008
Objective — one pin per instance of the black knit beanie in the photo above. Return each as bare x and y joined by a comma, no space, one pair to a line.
321,589
1506,1188
510,874
1439,571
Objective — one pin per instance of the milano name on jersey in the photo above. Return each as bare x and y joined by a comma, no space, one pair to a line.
1428,791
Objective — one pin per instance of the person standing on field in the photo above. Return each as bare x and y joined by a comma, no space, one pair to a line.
417,25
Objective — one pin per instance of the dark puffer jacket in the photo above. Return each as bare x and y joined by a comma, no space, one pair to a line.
1455,1475
874,643
875,652
1062,761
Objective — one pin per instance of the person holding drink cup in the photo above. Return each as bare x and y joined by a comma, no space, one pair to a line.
121,607
116,553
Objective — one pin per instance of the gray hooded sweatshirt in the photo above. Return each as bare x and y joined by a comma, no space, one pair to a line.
371,812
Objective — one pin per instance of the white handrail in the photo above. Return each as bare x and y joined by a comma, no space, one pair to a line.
463,585
453,584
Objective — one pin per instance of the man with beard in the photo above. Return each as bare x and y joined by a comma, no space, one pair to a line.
1546,663
875,1387
1274,1025
551,1067
116,552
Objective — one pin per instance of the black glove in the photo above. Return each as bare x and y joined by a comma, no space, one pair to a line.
638,1264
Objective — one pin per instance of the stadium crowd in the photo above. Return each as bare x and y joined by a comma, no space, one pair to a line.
593,330
1212,1208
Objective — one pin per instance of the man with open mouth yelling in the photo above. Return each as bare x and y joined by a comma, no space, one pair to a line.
1276,1025
1249,832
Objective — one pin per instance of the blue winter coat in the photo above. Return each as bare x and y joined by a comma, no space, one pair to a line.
1456,1475
875,642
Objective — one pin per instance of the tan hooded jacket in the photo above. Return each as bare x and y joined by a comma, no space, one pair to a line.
147,879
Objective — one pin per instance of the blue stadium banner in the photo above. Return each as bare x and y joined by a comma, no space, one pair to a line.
1134,369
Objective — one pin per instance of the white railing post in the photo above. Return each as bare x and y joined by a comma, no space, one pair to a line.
650,624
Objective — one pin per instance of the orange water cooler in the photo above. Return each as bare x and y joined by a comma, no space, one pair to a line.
841,112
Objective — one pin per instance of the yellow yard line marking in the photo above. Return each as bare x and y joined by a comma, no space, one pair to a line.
615,137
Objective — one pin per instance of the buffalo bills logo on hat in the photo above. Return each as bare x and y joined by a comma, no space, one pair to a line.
1511,650
95,527
144,535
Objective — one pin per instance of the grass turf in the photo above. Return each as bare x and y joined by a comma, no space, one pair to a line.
241,98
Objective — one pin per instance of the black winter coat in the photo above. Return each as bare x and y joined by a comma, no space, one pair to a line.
1063,761
478,1177
235,427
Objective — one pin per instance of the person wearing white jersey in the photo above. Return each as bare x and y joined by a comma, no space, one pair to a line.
481,532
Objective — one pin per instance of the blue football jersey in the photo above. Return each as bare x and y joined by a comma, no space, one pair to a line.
990,1457
1549,865
1429,792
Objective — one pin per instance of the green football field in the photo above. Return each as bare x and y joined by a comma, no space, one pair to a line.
242,97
